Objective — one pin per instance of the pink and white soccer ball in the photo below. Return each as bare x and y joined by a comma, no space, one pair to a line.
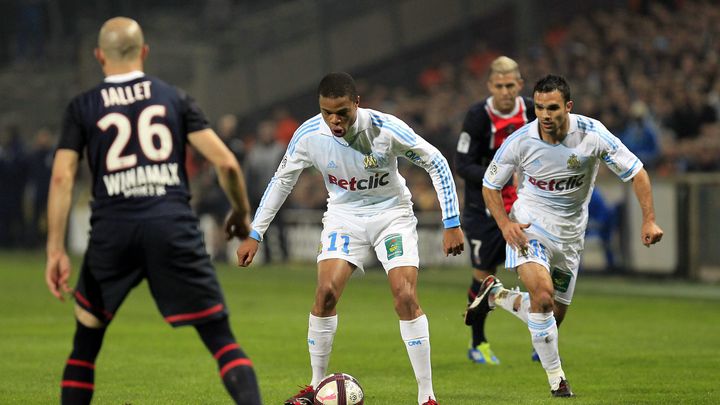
339,389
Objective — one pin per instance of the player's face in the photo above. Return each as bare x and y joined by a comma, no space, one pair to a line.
504,87
552,112
339,113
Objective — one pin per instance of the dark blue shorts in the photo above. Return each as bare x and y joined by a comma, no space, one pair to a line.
168,252
486,243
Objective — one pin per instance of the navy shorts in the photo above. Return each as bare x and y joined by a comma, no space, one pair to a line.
168,252
486,243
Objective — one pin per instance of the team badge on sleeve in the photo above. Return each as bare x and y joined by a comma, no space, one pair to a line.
463,145
492,171
393,246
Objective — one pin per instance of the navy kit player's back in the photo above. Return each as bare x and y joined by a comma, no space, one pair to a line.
135,132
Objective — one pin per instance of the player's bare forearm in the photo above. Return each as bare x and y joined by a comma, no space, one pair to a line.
494,203
650,233
230,175
232,182
512,231
57,268
62,181
643,192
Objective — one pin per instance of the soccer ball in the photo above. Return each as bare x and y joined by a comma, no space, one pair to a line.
339,389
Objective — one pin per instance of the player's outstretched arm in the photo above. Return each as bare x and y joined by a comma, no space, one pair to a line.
453,241
512,231
651,233
246,251
57,268
231,180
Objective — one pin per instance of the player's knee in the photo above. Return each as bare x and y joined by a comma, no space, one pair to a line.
405,303
87,319
327,297
543,300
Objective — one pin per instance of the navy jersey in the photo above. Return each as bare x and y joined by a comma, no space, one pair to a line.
134,129
483,131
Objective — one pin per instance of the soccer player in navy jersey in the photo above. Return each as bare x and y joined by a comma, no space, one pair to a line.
134,130
487,124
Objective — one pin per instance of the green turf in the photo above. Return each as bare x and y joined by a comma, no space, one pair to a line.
624,342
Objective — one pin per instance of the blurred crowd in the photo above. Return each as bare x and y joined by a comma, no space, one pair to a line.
649,72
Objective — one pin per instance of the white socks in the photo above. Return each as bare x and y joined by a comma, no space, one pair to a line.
321,332
544,334
416,335
505,299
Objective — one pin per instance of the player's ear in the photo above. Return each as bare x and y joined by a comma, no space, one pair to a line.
569,105
144,51
100,56
357,101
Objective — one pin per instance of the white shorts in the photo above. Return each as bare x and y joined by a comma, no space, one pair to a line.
392,234
561,259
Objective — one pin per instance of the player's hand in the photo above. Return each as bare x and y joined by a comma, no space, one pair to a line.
514,234
57,274
453,241
246,252
651,233
237,225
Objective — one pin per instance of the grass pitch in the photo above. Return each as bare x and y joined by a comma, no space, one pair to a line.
623,341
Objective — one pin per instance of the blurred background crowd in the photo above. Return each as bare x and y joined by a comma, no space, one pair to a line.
649,70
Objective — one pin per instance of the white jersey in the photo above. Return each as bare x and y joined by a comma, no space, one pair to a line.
557,180
360,169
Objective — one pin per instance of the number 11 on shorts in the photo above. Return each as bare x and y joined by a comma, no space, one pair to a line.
333,242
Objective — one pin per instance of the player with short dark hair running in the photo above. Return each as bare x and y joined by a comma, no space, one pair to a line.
558,155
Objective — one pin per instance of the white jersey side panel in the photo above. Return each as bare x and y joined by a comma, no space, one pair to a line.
360,170
557,180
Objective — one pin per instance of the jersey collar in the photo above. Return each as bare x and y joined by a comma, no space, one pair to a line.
573,123
125,77
534,131
518,103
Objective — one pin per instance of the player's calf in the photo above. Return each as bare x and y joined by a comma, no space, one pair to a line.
78,382
236,370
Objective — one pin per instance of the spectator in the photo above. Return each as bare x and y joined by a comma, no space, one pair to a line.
13,176
260,166
285,125
640,135
39,165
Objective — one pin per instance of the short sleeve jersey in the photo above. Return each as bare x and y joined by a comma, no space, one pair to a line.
360,170
133,129
557,180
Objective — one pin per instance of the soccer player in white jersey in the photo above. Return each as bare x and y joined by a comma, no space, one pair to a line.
369,209
557,156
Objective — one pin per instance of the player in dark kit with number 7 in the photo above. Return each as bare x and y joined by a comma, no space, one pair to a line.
134,130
